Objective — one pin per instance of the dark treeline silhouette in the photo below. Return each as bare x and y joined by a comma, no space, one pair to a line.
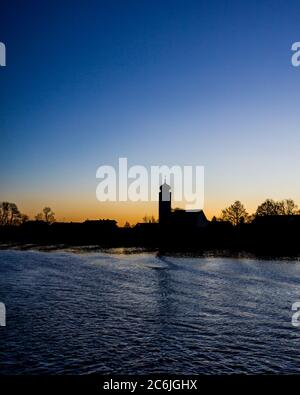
10,215
272,230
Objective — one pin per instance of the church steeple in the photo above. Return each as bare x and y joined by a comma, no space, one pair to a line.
164,203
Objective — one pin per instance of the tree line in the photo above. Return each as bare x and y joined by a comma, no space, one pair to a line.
236,214
10,215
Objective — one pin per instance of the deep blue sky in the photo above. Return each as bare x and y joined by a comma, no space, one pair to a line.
160,82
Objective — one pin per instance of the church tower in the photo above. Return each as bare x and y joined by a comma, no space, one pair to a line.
164,203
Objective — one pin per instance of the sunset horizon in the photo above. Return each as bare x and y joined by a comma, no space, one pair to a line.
131,212
230,100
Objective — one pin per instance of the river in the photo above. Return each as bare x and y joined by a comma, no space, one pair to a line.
120,313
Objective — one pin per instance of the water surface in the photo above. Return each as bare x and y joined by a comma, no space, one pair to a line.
141,313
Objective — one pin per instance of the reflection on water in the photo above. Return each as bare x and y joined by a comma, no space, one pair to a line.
143,313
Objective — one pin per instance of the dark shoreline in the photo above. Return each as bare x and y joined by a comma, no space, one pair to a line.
131,250
266,238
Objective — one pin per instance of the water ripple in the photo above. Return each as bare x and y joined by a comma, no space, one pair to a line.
117,313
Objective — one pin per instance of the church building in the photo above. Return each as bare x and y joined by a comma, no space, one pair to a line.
177,217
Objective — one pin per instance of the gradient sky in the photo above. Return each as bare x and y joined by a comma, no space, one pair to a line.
159,82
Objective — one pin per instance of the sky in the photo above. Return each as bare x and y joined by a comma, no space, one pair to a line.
159,82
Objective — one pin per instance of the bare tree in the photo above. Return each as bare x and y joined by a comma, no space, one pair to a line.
9,214
289,207
4,213
149,220
236,213
271,207
47,215
24,218
14,215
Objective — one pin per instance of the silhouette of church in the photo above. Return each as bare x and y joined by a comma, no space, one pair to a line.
177,217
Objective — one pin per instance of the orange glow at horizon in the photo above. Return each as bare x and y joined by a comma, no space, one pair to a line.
122,212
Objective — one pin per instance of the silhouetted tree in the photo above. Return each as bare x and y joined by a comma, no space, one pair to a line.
47,215
127,225
271,207
149,220
250,218
39,217
24,218
15,215
288,207
9,214
4,213
236,213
